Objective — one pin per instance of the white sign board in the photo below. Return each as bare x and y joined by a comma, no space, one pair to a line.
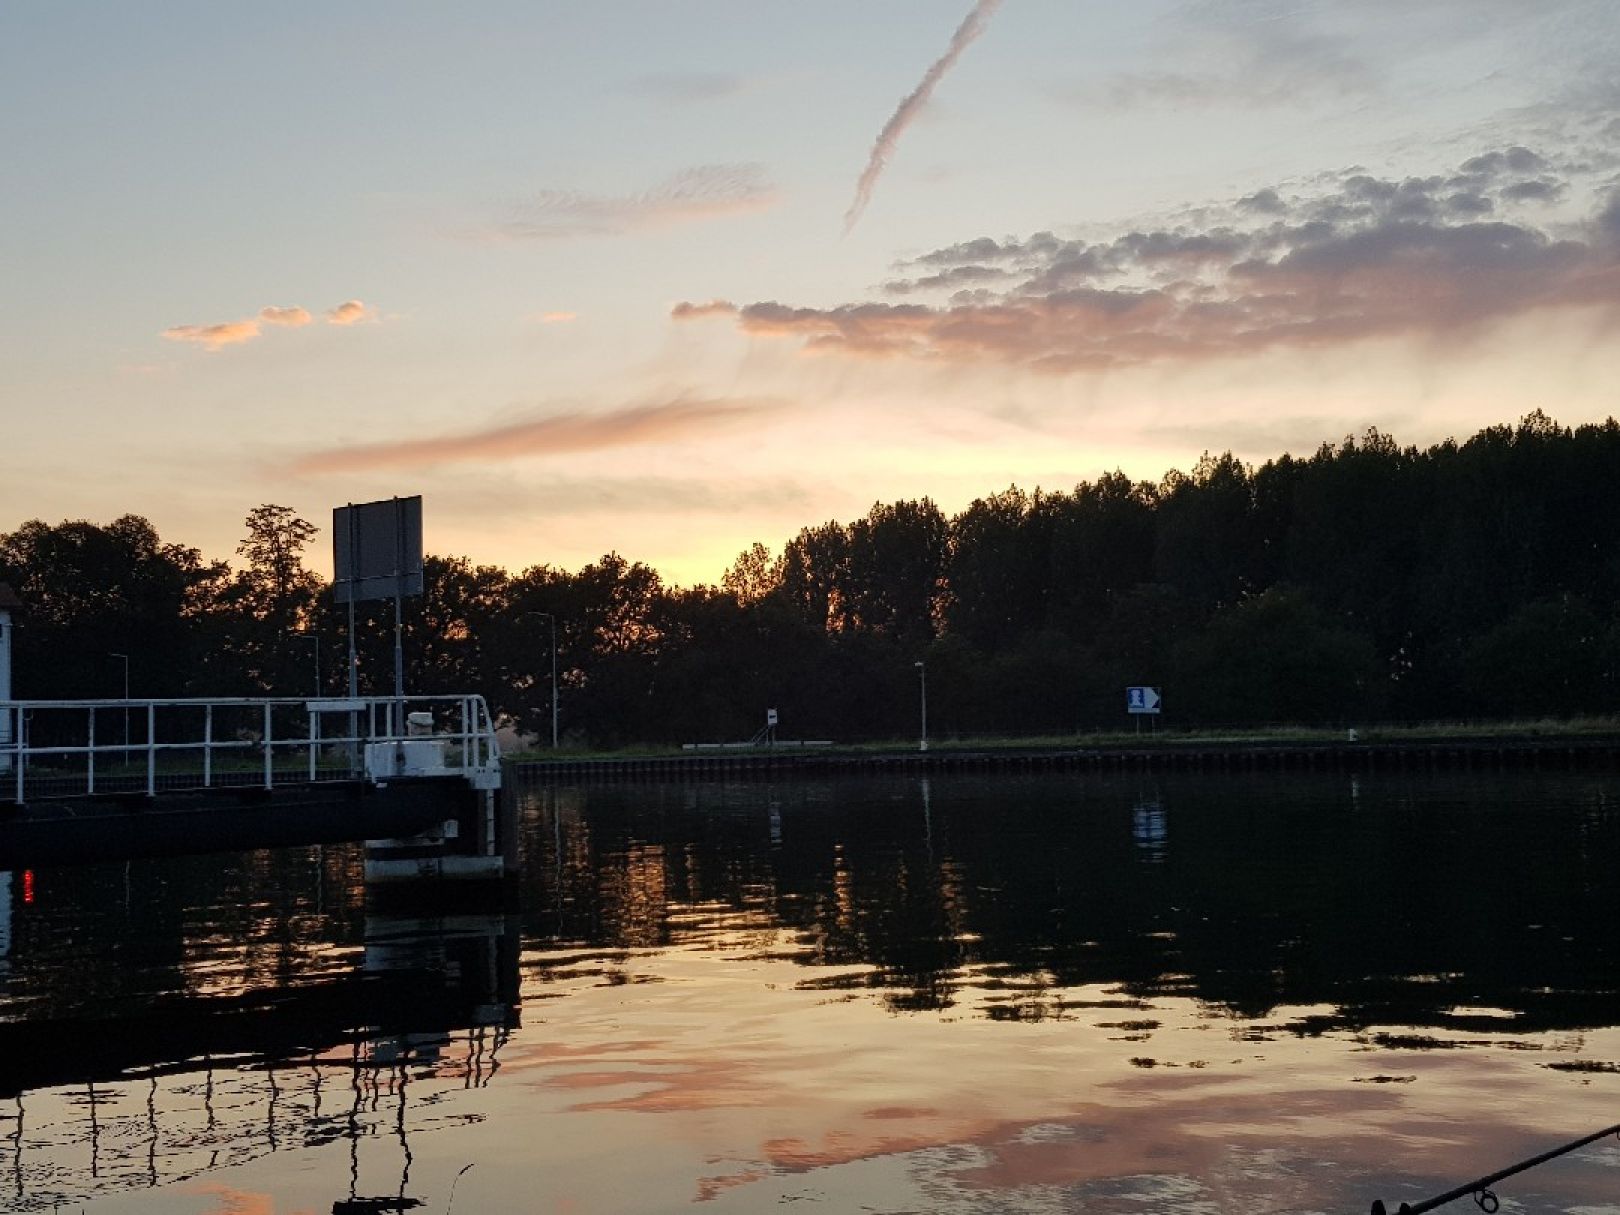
770,717
1141,700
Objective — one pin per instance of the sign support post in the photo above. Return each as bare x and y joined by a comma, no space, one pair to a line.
399,650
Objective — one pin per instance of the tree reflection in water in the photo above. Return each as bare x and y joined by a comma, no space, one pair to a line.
185,1018
1390,901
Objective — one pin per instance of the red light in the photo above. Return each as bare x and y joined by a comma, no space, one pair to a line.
28,885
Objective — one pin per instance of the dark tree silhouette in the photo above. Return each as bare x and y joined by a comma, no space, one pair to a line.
1365,579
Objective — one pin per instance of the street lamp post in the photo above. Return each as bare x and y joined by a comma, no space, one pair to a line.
552,621
125,659
922,680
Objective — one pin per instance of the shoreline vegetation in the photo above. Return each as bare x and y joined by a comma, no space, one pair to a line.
1363,582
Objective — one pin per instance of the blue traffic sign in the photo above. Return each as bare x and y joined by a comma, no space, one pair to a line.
1142,700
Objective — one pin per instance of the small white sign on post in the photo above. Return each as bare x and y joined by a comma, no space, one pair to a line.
770,717
1142,700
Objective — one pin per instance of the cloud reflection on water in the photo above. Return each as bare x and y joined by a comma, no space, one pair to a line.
1044,995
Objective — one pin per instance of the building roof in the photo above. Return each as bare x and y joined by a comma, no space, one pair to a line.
8,597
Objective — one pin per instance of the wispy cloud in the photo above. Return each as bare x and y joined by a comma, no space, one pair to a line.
911,105
1355,257
569,497
557,318
685,311
214,337
953,277
654,422
1248,54
1248,66
701,193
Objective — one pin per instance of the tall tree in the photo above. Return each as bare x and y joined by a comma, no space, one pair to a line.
896,577
90,590
1204,525
451,628
272,597
282,590
752,576
814,574
1101,547
999,565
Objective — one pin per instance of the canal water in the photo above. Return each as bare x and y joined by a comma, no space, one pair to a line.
1044,994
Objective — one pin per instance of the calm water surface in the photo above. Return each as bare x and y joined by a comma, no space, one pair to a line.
956,995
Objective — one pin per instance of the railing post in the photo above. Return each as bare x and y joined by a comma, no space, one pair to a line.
269,771
151,749
208,746
19,720
313,718
90,755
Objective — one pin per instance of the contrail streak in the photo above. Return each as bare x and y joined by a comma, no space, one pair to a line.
972,26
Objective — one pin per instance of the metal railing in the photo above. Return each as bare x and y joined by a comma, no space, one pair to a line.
70,748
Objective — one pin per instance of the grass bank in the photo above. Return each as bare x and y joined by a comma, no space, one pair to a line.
1435,732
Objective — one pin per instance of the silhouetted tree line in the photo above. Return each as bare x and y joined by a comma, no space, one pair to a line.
1365,581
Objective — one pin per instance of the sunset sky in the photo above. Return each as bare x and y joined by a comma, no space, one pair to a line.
670,277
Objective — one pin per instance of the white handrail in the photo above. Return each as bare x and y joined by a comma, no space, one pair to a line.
200,701
466,731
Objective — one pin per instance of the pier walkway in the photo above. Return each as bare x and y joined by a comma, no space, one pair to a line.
82,780
52,750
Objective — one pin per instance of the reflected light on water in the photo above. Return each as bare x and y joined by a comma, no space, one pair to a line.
953,995
793,1084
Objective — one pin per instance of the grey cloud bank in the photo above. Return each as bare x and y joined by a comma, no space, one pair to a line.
1356,256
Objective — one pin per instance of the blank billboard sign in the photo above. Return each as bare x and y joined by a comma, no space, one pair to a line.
377,550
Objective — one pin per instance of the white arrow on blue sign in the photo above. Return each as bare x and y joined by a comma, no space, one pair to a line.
1142,700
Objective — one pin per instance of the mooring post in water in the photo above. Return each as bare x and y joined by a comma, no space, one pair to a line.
1480,1188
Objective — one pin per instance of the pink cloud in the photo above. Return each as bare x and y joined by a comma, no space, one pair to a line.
234,333
350,312
657,422
691,312
292,318
1429,259
214,337
239,1202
